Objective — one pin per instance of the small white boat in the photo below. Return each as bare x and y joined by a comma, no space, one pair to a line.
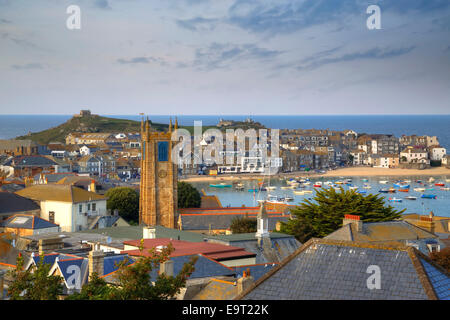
384,182
411,198
445,189
307,183
300,193
447,180
353,188
271,188
419,189
285,188
307,191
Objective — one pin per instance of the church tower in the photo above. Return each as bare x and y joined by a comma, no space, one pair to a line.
158,189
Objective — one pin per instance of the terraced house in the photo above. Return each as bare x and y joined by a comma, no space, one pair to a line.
72,208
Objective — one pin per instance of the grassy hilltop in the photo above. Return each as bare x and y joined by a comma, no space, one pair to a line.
88,123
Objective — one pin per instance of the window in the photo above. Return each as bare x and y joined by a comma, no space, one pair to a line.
51,216
80,208
89,207
94,206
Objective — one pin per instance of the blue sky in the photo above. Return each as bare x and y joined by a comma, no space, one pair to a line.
225,57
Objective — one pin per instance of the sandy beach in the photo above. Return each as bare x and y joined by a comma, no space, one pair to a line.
344,172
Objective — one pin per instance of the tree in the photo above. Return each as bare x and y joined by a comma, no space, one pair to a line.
404,159
126,200
243,225
37,285
324,214
134,280
442,258
188,196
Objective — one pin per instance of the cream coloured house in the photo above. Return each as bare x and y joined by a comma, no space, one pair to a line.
72,208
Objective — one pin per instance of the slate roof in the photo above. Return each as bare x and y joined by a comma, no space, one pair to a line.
256,270
54,192
111,263
24,221
401,232
202,221
218,289
30,161
276,249
11,203
204,267
135,233
329,269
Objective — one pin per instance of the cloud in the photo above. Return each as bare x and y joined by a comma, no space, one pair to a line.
375,53
102,4
286,16
218,55
28,66
143,60
198,24
4,21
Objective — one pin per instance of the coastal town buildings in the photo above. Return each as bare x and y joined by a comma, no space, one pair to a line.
72,208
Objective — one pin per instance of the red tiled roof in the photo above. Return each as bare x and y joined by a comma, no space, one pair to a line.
183,248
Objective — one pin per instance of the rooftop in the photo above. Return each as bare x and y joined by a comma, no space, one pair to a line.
63,193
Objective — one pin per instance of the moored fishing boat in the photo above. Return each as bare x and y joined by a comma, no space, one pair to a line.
307,191
401,185
445,189
411,198
220,185
353,188
419,189
395,200
384,182
299,193
366,186
403,190
440,184
429,196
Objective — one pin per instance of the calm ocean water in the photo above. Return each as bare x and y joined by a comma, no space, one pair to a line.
440,206
434,125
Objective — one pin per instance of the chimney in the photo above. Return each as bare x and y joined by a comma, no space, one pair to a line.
92,186
245,282
262,230
2,283
149,233
96,260
166,267
349,218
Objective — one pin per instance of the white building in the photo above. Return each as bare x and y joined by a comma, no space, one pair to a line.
414,155
437,153
72,208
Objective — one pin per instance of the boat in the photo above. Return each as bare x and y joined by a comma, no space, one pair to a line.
366,186
419,189
274,199
307,183
447,180
271,188
384,182
395,200
220,185
288,198
401,185
390,190
445,189
429,196
317,186
403,190
339,182
239,187
285,187
362,191
440,184
411,198
353,188
300,193
307,191
365,180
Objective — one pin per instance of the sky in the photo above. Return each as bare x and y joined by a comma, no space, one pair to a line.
227,57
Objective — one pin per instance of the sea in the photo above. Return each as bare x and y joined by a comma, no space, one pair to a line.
12,126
